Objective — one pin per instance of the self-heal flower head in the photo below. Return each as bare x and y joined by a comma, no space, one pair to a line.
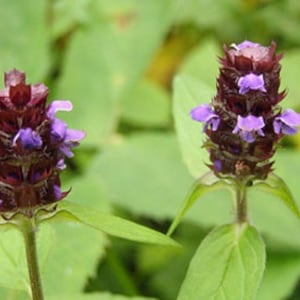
33,146
205,114
248,127
287,122
252,82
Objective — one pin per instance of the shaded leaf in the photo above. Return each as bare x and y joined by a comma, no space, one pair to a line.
24,38
229,264
281,276
203,185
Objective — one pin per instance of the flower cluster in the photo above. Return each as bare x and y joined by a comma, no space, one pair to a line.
33,145
244,123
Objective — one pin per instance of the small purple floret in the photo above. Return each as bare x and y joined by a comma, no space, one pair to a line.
57,192
251,81
205,114
58,105
287,122
58,129
246,44
28,138
248,127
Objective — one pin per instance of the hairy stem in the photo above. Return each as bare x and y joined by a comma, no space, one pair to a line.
29,229
241,202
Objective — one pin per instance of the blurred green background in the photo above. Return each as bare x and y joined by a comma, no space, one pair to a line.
116,61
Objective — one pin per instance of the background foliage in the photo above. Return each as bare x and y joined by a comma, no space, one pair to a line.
116,61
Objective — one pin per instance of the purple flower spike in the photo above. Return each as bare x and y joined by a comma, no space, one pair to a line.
246,44
251,81
58,105
287,122
249,126
205,114
29,139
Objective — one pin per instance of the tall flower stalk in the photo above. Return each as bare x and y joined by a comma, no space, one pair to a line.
33,146
245,123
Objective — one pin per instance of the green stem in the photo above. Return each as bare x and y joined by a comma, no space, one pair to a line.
241,202
29,229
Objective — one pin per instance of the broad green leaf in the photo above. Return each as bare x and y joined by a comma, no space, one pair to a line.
203,185
147,104
189,93
229,264
96,296
277,186
105,59
24,38
73,258
67,14
281,275
289,75
13,271
272,217
152,180
110,224
202,62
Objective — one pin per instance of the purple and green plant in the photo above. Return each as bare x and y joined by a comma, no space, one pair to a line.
34,144
244,125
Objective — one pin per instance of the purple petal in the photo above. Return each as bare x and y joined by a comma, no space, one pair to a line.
246,44
58,129
28,138
58,105
73,135
248,126
66,150
204,113
61,164
287,122
251,81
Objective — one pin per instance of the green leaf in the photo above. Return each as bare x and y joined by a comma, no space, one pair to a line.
281,276
152,179
147,104
110,224
229,264
24,38
13,271
189,93
277,186
106,58
73,258
289,75
203,185
202,63
96,296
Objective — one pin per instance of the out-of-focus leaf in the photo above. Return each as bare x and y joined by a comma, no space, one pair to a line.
270,215
110,224
67,14
147,104
189,93
203,185
152,179
24,38
96,296
236,254
73,259
202,63
13,271
105,59
289,75
281,275
277,186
